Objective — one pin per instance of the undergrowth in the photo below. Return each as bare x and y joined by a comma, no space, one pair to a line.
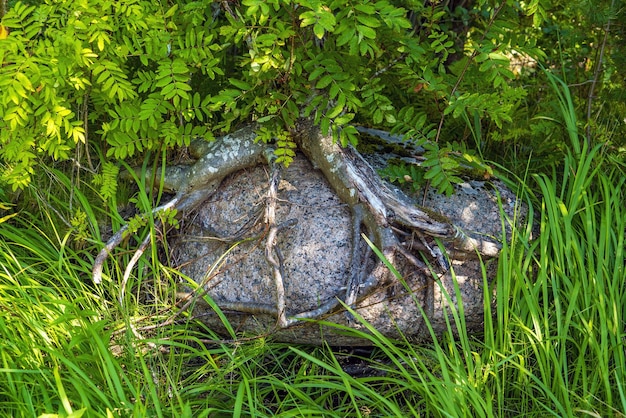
553,343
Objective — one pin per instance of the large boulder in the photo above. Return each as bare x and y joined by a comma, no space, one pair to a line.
221,247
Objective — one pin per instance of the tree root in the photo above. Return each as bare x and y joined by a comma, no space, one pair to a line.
117,239
384,212
196,183
357,266
272,252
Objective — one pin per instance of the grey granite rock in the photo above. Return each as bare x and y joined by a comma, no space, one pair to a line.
316,252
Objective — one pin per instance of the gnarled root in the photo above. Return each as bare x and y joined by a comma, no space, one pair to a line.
355,182
196,183
387,216
273,254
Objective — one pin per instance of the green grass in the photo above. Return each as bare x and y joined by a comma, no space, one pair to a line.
553,342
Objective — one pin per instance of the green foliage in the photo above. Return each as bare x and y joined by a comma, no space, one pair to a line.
125,78
5,207
107,180
582,42
553,341
404,173
441,168
130,77
61,354
120,78
586,42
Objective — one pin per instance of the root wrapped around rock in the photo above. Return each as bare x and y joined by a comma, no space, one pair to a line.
295,248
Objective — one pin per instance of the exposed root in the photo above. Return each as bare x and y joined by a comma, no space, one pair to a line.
197,183
325,308
117,239
434,252
254,217
355,182
272,252
357,265
131,265
384,212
